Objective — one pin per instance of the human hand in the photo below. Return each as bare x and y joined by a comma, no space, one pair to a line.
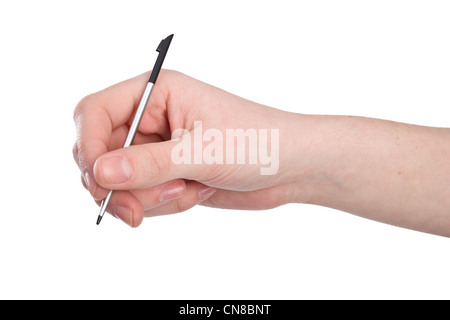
147,180
348,163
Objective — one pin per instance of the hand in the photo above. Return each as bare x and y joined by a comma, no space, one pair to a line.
382,170
145,176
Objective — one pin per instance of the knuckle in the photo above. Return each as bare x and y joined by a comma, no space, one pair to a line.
182,204
155,163
81,106
80,156
178,206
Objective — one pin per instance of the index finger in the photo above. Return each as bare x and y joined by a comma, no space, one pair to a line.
96,116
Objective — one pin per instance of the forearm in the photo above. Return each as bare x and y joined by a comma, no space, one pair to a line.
382,170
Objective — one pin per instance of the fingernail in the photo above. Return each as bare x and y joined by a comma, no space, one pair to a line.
171,193
87,180
206,192
115,169
83,182
124,214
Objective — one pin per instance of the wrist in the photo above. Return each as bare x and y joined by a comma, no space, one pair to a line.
311,156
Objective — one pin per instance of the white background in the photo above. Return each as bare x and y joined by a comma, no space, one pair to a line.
384,59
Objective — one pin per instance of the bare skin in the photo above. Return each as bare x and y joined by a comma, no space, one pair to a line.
386,171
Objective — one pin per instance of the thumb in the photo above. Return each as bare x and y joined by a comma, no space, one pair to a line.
141,166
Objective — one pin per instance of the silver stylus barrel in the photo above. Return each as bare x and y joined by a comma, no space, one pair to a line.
129,140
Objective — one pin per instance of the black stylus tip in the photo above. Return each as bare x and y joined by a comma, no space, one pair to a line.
164,44
99,219
162,49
